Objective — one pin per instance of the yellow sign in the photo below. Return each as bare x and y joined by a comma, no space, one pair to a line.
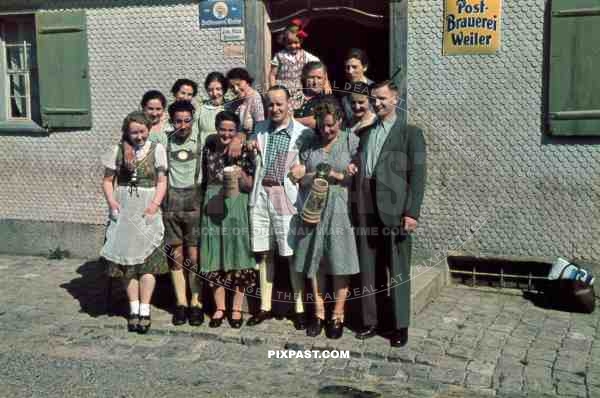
472,26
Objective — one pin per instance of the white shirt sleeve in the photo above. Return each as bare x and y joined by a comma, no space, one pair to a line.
275,60
109,159
160,157
311,58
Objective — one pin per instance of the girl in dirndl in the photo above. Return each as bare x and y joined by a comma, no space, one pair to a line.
134,185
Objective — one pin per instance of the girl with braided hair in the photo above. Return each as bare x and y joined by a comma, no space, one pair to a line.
134,189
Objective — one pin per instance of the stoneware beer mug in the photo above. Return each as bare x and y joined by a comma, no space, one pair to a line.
231,186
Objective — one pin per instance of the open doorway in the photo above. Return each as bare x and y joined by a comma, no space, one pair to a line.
336,27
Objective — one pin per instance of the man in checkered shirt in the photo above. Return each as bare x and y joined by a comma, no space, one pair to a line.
274,199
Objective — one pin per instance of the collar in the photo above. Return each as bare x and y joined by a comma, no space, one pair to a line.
282,130
190,138
387,124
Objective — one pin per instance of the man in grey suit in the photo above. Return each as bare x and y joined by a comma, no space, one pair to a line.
388,192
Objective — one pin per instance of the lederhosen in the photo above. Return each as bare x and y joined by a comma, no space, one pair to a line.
182,206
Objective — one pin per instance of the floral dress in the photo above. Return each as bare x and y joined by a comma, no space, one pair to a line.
226,255
250,110
289,72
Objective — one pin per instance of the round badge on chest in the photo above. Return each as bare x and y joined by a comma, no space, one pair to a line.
183,155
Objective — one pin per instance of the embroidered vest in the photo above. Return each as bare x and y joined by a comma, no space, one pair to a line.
145,170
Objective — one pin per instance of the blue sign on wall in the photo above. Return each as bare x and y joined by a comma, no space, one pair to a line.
214,13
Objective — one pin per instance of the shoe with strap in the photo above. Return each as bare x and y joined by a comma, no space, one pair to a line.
145,323
236,323
133,322
215,322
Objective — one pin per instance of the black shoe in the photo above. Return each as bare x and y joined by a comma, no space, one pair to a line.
260,317
300,321
334,328
366,332
133,322
399,338
145,323
315,326
180,315
196,317
235,323
216,322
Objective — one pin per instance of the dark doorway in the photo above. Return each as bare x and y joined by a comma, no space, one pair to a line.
330,39
336,26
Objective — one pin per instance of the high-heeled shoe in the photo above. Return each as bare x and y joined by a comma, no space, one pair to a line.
216,322
315,327
334,328
235,323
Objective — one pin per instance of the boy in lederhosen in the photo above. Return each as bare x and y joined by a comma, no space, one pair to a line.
181,213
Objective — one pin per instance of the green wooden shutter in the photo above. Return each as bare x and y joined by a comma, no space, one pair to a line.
63,70
574,81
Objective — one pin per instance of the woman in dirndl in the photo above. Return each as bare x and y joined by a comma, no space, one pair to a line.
227,259
134,187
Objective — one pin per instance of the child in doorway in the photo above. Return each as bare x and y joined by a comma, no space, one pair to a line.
287,64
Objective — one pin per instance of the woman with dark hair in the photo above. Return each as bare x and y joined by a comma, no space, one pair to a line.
356,64
153,105
362,114
249,106
225,240
184,90
135,231
216,86
329,248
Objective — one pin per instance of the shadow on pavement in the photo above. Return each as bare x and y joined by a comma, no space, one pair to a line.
99,294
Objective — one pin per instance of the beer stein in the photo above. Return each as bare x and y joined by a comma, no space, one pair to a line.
231,186
317,198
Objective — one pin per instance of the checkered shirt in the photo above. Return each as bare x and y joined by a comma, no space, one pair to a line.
276,153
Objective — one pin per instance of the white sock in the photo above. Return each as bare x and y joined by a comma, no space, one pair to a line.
144,309
134,307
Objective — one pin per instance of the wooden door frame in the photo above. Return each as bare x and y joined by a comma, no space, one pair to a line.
258,44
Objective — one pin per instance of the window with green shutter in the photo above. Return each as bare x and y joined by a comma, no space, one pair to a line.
574,65
44,81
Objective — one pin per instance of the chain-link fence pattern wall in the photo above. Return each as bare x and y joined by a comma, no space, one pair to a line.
497,185
133,46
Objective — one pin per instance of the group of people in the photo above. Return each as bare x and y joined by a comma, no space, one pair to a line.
213,190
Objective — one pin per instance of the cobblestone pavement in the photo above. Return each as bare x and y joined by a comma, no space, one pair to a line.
55,341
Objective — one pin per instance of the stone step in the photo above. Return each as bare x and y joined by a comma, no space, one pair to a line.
427,283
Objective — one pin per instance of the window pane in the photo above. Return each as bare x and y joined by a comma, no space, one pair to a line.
18,106
15,58
18,93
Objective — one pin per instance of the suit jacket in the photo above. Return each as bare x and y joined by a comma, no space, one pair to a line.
300,136
399,173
